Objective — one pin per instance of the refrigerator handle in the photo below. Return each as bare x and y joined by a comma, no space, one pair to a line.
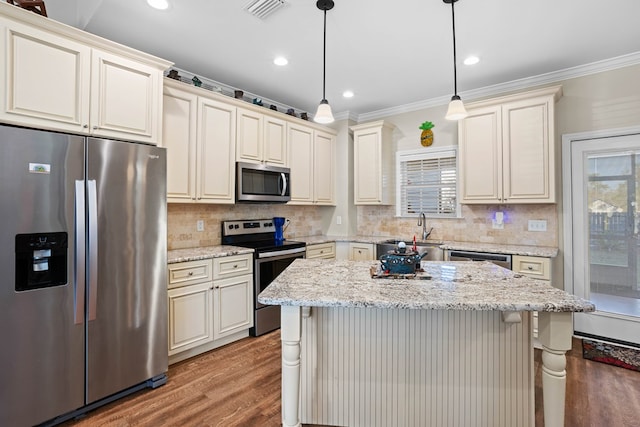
81,250
93,248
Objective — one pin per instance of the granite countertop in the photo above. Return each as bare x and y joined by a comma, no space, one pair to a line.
539,251
454,286
205,252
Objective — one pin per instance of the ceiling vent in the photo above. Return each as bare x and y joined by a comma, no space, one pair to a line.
263,8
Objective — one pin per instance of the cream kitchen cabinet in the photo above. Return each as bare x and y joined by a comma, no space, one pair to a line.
507,149
312,159
190,305
60,78
199,134
321,250
261,138
210,304
362,251
373,165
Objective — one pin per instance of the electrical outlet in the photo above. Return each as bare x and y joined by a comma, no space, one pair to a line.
200,225
497,225
339,220
537,225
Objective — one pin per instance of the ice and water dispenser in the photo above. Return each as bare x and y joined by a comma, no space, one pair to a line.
41,260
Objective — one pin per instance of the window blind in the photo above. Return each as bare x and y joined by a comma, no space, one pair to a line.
427,183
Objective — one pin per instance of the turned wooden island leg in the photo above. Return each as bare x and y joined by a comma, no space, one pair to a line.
290,332
554,331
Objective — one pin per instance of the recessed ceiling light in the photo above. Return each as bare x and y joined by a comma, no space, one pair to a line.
347,94
158,4
281,60
471,60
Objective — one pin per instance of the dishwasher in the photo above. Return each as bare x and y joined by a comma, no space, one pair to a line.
503,260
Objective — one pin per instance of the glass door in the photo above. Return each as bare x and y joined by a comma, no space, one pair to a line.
605,193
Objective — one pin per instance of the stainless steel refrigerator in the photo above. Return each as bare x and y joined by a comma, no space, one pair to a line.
83,296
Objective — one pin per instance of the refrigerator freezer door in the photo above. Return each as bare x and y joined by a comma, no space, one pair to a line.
127,341
42,356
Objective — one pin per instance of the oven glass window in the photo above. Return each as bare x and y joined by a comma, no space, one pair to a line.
260,183
269,270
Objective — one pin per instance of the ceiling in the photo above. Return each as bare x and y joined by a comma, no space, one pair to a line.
389,53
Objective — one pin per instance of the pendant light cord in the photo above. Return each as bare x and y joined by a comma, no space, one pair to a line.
324,57
455,75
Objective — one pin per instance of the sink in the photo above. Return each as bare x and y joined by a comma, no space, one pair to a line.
434,253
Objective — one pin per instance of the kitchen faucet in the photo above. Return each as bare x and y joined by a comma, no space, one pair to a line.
422,221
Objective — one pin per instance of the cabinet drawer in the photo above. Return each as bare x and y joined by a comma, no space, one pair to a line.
189,273
231,266
322,250
536,267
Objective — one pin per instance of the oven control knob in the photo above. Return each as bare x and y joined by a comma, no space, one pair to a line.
236,226
230,226
266,224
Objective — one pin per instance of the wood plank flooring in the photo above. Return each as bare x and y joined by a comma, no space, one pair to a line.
239,385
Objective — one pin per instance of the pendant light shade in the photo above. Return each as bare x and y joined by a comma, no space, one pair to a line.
323,114
456,109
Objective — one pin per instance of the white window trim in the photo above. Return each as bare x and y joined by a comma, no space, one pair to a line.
421,154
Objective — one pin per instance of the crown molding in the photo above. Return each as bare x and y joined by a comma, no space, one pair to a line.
524,83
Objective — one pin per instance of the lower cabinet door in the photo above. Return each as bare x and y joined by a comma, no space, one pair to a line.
190,317
233,305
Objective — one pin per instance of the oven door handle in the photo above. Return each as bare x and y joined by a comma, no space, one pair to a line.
279,253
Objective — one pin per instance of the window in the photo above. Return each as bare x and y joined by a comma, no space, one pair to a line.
427,182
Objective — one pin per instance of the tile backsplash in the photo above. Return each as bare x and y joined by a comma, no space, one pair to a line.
474,226
182,218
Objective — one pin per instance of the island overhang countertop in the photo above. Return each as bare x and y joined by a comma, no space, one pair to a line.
452,286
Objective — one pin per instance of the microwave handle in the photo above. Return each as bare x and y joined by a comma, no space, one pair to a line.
283,179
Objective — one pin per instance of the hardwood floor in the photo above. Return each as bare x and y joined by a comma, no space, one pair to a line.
239,385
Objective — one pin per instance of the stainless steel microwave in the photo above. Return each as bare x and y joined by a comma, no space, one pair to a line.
262,183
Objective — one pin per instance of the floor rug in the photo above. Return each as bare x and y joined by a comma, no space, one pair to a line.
611,354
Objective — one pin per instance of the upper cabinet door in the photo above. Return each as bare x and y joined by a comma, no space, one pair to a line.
301,164
179,137
125,100
44,79
528,156
275,141
250,136
373,164
216,151
480,141
324,168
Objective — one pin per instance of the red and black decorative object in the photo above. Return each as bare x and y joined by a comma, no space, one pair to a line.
36,6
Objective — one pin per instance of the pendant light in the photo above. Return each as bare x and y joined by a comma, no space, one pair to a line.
323,114
456,109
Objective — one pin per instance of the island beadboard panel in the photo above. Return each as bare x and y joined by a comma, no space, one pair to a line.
399,367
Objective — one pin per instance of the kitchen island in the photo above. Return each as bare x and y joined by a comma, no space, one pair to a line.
454,349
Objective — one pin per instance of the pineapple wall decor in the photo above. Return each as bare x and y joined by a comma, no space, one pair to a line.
426,138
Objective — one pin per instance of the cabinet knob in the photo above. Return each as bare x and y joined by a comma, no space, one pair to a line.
217,286
359,251
85,126
95,127
530,267
191,273
321,252
235,265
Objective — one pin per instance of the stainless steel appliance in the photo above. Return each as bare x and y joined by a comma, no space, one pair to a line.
503,260
271,257
262,183
83,258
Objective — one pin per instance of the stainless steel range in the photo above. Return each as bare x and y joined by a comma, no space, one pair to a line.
271,257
